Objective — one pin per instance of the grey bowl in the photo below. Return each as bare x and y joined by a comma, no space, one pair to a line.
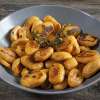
65,15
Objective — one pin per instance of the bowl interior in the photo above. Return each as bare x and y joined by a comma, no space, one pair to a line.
62,14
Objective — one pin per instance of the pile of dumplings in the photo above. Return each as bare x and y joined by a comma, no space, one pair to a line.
67,63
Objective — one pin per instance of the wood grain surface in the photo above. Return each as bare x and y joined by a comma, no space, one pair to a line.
8,92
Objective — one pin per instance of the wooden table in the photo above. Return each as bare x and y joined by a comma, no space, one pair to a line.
8,92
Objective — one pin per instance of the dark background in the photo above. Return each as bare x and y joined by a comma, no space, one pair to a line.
8,92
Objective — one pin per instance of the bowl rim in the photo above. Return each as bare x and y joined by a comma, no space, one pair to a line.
46,92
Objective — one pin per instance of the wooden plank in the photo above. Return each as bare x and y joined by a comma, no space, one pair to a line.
6,9
47,1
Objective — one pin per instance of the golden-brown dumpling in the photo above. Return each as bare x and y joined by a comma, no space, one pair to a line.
16,67
7,54
48,63
61,56
91,68
61,85
74,78
87,40
70,63
43,54
30,64
70,45
44,29
20,32
56,73
70,29
5,63
33,80
31,47
32,21
87,56
56,24
19,46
